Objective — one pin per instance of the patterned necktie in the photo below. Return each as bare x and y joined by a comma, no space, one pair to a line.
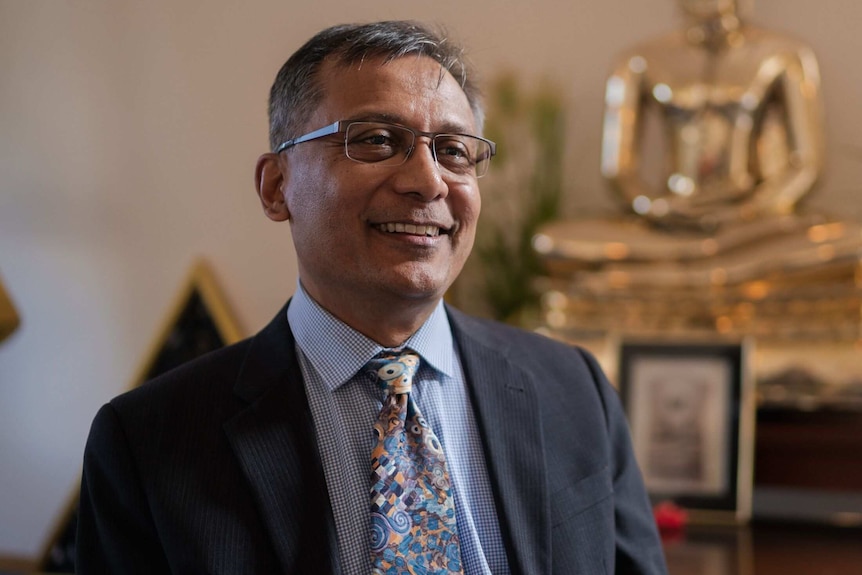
413,526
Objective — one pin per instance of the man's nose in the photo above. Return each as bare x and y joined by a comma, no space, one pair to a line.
420,173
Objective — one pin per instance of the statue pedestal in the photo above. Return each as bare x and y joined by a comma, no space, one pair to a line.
792,285
781,278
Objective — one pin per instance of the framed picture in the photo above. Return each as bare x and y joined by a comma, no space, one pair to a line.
691,411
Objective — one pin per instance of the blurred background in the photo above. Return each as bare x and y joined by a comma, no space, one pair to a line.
128,137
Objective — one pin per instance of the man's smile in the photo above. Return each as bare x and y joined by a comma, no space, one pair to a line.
429,230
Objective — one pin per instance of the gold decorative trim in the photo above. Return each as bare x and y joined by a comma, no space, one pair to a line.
201,279
9,318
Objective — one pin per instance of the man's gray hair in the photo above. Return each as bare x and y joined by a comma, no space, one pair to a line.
297,92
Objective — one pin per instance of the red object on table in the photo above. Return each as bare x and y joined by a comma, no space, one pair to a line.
671,519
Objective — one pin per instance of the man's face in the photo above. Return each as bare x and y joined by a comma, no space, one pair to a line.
341,211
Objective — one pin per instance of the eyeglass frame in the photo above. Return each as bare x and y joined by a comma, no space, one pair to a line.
343,125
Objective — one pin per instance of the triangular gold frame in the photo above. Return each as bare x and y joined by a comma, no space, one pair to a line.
201,280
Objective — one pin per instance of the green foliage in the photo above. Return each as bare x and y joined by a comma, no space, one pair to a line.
529,129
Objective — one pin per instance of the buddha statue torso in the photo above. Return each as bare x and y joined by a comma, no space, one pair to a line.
740,114
712,211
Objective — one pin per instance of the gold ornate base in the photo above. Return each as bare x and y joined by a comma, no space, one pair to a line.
795,276
793,285
763,309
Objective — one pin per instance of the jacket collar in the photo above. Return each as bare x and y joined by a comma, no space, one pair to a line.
273,439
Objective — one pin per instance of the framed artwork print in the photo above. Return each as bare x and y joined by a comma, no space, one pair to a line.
691,411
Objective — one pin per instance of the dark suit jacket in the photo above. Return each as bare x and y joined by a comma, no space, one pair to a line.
213,467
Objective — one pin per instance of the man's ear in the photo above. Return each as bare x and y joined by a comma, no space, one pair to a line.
269,180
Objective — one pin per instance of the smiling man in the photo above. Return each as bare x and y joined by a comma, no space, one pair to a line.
382,220
370,428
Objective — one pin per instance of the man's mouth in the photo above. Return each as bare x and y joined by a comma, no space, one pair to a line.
414,229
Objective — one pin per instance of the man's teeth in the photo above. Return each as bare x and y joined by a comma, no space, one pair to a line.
410,229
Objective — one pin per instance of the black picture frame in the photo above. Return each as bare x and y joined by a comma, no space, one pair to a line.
691,411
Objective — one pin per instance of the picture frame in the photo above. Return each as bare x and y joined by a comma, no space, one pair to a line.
691,409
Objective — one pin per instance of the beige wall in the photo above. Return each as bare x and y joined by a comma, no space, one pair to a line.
128,135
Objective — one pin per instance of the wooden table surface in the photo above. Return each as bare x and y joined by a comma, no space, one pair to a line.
766,549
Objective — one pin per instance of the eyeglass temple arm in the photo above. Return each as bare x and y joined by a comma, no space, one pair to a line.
333,128
492,151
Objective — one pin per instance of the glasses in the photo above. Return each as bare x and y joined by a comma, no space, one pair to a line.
391,145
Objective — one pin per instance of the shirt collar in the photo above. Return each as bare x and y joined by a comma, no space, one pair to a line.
338,352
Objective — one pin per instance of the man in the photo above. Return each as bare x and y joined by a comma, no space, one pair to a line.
257,458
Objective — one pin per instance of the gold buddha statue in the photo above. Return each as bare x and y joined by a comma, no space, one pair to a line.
712,137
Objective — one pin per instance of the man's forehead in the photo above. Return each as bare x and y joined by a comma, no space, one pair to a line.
371,81
408,66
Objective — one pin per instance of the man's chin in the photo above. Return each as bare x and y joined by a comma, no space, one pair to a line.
419,287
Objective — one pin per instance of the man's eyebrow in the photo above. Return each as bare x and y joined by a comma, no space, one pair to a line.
377,117
445,128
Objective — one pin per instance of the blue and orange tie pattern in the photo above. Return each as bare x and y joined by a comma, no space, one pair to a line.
413,527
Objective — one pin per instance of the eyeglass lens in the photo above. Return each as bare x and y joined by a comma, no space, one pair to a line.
375,142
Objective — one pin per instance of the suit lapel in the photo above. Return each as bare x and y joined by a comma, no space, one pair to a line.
507,412
273,440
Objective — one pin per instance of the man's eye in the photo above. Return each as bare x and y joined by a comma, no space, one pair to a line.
373,143
453,150
374,138
377,140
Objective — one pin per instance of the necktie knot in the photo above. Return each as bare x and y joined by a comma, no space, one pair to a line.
395,372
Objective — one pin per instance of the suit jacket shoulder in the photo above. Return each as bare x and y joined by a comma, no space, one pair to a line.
211,467
568,489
